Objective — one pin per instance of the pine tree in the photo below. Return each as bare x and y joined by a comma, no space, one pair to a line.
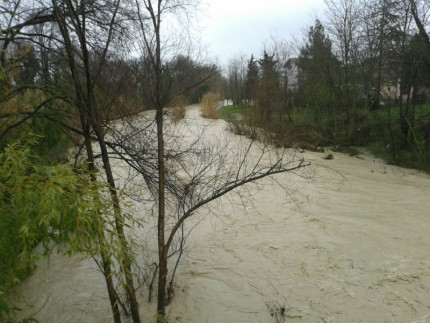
252,80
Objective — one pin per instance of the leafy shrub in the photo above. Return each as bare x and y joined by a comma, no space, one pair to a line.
40,205
178,105
53,143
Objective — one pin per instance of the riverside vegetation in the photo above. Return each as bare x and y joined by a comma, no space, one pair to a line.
341,90
377,132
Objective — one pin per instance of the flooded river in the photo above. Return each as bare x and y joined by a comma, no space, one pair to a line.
351,245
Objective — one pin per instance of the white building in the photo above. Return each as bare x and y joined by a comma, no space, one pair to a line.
292,71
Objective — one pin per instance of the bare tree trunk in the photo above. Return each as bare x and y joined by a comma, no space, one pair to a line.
162,250
111,289
107,272
419,23
119,225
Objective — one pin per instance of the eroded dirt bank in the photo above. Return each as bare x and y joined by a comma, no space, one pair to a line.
343,248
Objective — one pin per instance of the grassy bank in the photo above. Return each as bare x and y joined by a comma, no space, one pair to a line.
377,131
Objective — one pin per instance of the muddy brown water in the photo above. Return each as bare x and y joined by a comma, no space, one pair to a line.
352,245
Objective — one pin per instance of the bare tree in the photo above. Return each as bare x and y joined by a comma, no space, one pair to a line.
236,75
344,17
183,174
149,19
198,171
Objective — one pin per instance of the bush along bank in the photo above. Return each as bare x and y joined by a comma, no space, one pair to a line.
378,131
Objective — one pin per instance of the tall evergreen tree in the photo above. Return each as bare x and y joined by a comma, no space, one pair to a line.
318,68
269,86
251,82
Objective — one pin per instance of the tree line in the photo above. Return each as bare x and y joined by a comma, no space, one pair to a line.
361,60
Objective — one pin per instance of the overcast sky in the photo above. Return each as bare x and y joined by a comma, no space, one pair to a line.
232,27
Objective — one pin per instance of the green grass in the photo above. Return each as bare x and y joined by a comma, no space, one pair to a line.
227,112
420,110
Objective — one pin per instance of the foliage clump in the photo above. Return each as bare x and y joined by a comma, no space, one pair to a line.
209,105
43,205
178,105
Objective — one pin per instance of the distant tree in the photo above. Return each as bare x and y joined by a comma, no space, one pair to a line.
236,80
425,36
182,72
28,64
319,69
344,25
383,15
251,81
268,94
416,71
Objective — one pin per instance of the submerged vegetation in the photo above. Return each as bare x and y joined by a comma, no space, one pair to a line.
209,105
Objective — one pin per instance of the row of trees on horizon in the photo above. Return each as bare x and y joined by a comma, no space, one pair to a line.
361,55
